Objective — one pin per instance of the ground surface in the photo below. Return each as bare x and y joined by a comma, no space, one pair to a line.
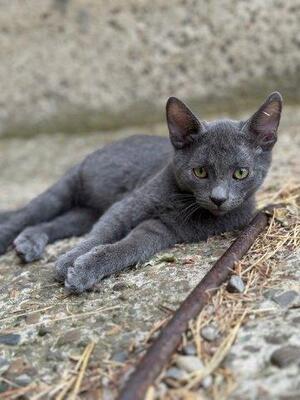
43,332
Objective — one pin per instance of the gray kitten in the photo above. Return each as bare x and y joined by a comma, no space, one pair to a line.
143,194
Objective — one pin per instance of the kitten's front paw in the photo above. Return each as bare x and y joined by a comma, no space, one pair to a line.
30,245
83,276
63,263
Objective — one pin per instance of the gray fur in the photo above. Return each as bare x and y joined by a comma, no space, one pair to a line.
140,195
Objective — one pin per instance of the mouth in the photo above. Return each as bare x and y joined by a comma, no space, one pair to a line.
218,212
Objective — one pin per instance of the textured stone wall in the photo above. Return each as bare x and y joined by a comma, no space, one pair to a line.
77,65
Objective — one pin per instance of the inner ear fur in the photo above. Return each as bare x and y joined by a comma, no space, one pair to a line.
263,124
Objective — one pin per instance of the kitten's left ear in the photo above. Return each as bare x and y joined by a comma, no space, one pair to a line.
263,125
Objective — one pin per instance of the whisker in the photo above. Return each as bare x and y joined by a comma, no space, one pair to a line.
189,210
192,212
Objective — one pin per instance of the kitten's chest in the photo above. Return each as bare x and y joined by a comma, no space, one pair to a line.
200,226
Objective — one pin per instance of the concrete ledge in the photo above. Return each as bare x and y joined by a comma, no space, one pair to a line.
72,65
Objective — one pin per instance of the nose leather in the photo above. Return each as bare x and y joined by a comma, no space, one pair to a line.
218,201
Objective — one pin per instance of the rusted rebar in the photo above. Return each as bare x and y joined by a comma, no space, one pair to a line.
169,339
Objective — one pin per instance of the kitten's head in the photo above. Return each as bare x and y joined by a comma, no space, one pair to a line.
223,162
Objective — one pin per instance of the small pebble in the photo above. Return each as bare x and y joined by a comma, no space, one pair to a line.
286,298
33,318
207,382
176,373
209,333
23,380
276,339
285,356
54,356
189,363
10,339
161,390
251,349
119,286
69,337
189,350
121,356
235,284
4,365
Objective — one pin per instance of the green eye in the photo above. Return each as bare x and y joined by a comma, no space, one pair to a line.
241,173
200,172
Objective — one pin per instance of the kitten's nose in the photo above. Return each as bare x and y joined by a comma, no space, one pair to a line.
218,201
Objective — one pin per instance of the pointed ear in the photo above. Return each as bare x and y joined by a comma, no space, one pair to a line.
264,123
182,123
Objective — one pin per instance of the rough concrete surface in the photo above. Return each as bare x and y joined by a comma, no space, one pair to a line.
43,332
79,65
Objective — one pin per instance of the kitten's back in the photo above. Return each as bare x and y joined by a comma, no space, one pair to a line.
116,169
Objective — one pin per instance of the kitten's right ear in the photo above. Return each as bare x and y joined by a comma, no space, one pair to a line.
263,124
182,123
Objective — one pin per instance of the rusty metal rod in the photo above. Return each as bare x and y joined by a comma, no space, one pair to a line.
169,339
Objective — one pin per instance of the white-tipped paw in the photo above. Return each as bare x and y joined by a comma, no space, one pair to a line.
84,275
63,263
30,245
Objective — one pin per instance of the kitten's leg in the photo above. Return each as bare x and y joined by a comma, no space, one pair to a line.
31,242
115,224
54,201
5,215
139,245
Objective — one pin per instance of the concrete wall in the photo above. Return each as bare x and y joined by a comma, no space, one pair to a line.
77,65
